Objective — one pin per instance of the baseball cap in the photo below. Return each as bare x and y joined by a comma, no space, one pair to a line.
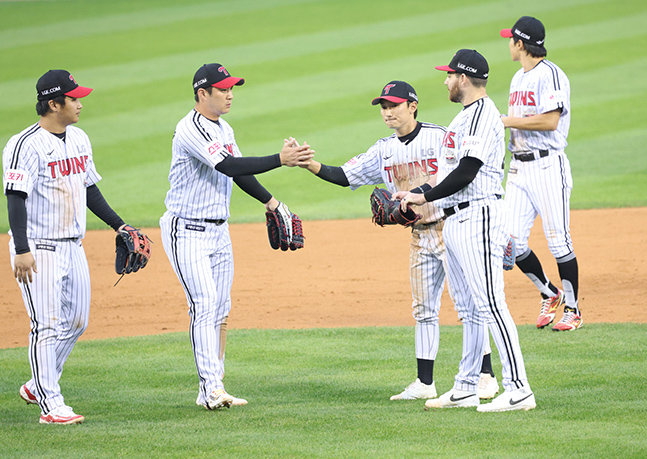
528,29
58,83
397,92
469,62
215,75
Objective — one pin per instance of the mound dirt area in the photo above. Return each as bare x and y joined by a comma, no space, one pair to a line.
351,273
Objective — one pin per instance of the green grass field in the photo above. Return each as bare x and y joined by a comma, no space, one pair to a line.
324,393
312,67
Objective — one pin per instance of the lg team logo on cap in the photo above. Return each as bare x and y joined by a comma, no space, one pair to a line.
222,69
73,80
387,88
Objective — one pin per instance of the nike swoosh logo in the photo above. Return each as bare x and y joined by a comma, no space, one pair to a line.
454,399
50,152
463,221
516,402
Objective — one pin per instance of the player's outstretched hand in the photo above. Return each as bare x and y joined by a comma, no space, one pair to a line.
23,264
292,154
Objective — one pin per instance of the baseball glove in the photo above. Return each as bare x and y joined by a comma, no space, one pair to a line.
510,254
388,212
133,250
284,229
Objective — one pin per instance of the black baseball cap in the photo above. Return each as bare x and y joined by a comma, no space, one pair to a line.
215,75
397,92
528,29
58,83
469,62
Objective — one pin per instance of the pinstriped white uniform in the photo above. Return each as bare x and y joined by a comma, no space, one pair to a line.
543,186
54,174
475,237
201,252
403,166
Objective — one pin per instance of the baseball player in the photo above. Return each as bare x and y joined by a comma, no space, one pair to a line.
470,172
539,179
195,232
49,178
402,161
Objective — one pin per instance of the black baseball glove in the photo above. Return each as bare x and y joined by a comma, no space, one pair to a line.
284,229
388,212
133,250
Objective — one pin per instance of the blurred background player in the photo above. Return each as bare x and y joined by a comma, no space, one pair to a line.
406,159
194,228
539,179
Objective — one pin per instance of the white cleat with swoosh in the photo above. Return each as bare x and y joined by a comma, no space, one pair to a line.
520,399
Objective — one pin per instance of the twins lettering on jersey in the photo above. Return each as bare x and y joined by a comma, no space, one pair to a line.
522,98
411,170
65,167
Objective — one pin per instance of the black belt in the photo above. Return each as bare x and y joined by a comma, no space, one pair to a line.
449,211
530,156
217,222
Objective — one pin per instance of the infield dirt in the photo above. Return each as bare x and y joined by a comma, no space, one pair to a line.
351,273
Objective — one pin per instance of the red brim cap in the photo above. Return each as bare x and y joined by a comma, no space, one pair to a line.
444,68
79,92
229,82
395,100
506,33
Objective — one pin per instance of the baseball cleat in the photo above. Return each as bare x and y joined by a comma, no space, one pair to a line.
454,399
520,399
219,399
570,321
417,390
487,387
235,401
61,415
27,396
549,308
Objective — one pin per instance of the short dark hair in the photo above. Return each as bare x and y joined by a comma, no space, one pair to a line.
209,89
415,114
42,106
478,82
533,50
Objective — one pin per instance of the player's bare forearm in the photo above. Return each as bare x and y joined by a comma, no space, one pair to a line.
313,166
542,122
271,204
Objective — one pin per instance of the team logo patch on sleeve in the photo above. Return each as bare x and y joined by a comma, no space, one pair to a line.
214,148
15,176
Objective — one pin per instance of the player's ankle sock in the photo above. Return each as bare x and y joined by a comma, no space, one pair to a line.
569,272
531,267
486,366
426,371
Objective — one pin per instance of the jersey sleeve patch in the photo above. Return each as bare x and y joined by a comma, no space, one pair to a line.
15,176
214,148
472,144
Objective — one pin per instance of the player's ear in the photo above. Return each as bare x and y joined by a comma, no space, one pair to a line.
413,106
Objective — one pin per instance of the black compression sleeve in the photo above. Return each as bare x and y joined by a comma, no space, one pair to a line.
251,165
18,220
99,207
333,174
252,187
458,179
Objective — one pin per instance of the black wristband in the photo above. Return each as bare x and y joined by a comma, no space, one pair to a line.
421,189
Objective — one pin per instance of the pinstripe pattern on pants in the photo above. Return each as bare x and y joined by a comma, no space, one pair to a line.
58,305
202,258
